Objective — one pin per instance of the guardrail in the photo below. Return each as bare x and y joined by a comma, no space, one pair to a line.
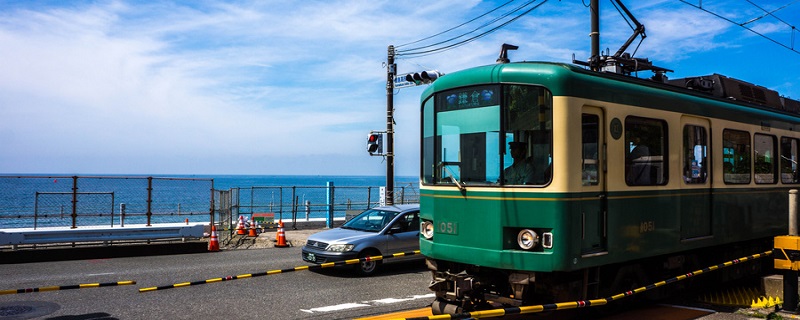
27,236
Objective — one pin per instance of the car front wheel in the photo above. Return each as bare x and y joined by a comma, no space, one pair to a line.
366,268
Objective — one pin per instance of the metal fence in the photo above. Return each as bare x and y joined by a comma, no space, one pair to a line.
300,203
74,201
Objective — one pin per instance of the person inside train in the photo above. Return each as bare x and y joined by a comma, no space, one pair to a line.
521,171
638,162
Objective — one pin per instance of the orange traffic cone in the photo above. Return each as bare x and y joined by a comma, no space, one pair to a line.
213,244
240,227
252,228
281,236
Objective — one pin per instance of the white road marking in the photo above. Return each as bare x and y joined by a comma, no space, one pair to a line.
396,300
100,274
338,307
370,303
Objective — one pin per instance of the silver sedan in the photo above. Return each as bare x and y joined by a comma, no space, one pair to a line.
375,232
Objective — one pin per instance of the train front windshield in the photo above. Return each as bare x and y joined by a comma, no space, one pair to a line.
491,135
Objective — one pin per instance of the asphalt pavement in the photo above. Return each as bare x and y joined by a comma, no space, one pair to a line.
296,236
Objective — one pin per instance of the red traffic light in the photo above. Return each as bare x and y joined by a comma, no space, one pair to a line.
375,143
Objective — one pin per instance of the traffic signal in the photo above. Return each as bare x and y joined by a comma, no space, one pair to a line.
375,143
424,76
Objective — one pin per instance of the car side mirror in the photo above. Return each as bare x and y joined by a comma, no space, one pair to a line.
395,229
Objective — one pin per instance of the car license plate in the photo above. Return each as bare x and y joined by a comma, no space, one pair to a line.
311,257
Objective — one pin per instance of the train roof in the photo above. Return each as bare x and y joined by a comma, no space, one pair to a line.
713,99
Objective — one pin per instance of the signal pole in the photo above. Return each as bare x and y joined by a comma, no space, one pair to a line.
391,70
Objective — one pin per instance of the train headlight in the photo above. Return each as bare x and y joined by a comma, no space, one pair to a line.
527,239
426,229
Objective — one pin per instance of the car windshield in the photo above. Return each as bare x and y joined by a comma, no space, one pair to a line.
372,220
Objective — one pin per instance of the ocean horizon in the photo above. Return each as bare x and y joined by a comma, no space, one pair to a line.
45,200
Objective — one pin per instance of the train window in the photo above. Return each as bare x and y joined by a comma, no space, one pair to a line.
765,165
468,135
695,144
428,139
644,156
527,121
735,156
789,158
591,125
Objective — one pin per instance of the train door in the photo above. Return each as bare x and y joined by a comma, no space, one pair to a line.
695,200
593,206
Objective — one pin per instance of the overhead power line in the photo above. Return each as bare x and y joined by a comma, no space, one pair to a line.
743,25
456,27
770,13
447,45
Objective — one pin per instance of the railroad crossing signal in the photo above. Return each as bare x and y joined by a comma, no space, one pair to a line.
375,143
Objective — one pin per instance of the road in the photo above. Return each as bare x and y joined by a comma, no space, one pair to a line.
331,293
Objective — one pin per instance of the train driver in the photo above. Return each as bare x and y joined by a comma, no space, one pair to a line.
521,171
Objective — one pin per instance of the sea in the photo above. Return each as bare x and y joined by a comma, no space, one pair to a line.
48,200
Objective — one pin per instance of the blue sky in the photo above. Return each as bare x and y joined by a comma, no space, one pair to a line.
293,87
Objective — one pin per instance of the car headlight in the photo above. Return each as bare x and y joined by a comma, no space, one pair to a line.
340,247
527,239
426,229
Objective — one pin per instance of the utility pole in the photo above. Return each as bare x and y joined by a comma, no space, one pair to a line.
391,71
594,60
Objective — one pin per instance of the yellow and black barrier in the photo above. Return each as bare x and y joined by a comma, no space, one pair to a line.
75,286
277,271
587,303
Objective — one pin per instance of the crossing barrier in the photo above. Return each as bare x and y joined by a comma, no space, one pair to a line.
68,287
277,271
586,303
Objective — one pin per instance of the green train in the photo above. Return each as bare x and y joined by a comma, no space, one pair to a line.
547,182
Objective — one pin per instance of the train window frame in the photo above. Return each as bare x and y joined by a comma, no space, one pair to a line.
765,168
733,172
695,154
428,141
790,153
590,146
529,122
467,134
646,146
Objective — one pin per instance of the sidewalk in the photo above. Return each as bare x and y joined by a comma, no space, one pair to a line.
267,239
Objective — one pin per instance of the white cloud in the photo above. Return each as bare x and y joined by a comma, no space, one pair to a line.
256,87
